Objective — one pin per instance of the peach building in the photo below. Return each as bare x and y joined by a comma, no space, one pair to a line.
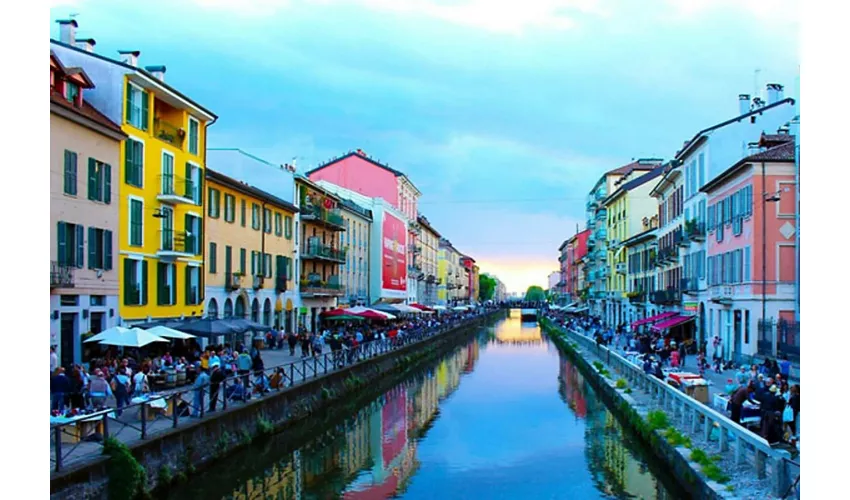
751,242
84,162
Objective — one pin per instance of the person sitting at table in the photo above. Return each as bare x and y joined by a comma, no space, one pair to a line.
215,359
659,374
261,383
744,393
99,390
167,359
237,391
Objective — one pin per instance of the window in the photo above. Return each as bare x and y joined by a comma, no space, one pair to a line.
255,216
72,90
242,259
701,170
278,223
135,282
267,265
71,245
214,203
70,173
229,207
255,263
193,285
212,258
746,326
137,107
194,183
194,239
287,225
136,222
748,203
243,212
267,220
194,137
134,154
746,264
719,233
167,179
228,259
167,228
166,284
100,181
100,249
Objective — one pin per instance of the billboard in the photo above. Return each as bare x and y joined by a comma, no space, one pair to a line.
394,256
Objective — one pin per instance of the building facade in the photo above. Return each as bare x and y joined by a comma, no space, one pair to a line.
250,246
708,154
429,241
319,258
640,251
161,193
751,263
552,281
84,146
357,239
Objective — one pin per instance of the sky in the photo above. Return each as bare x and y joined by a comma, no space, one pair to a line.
504,114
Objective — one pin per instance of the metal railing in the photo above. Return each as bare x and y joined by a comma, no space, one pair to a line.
61,276
749,448
316,250
177,188
144,420
319,214
167,132
318,288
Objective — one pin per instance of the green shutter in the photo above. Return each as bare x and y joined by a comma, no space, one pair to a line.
187,192
199,247
129,103
189,238
140,161
92,247
228,257
253,263
289,268
173,290
144,283
161,281
212,256
242,258
107,183
201,175
62,238
93,179
210,202
243,212
188,285
145,104
129,284
81,246
107,250
128,161
280,265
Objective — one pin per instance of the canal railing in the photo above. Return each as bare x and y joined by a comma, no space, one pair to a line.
72,441
748,447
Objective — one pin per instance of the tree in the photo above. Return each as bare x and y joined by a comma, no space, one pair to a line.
486,287
535,293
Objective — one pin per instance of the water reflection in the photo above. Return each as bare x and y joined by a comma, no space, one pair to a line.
499,434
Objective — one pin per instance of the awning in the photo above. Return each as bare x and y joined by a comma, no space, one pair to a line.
653,319
670,323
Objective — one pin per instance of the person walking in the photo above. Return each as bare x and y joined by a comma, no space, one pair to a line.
293,341
216,379
243,367
200,386
60,386
99,390
121,389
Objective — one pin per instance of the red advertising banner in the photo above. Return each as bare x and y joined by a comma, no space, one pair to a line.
394,254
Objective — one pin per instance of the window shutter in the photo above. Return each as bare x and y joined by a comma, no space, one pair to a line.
199,243
128,103
210,203
128,283
243,212
144,284
720,232
749,200
280,265
242,259
187,192
189,238
128,161
62,239
145,104
228,259
93,179
173,284
200,191
92,247
161,279
212,256
746,263
710,218
81,246
188,284
107,183
253,263
107,250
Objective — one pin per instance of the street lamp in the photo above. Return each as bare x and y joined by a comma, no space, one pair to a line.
765,199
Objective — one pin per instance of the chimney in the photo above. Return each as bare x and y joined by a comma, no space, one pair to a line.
757,103
157,71
743,104
130,57
774,93
753,148
67,31
87,44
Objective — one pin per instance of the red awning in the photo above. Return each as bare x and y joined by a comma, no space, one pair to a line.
670,323
421,307
653,319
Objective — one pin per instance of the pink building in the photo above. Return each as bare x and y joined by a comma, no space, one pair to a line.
752,242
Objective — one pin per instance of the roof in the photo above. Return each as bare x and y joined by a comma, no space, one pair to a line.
627,169
636,182
87,112
427,224
640,237
301,178
784,153
363,156
136,69
354,207
699,135
669,169
250,190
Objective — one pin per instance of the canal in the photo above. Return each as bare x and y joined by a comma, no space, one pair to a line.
505,416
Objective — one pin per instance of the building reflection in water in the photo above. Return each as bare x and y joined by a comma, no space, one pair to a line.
373,454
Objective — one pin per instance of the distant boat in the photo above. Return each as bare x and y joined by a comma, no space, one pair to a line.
528,314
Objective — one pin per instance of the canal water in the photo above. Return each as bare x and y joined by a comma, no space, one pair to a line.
506,416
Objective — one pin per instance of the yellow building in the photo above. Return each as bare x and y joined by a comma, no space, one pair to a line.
454,272
250,246
473,294
627,210
160,180
442,276
429,242
357,239
321,256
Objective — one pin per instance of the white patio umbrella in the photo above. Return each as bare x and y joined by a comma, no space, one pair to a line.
407,309
108,333
136,337
360,309
169,333
459,308
438,308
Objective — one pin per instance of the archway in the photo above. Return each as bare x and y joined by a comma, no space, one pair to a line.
267,312
239,310
212,309
255,310
228,308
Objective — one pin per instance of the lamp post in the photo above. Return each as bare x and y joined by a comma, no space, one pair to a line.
765,199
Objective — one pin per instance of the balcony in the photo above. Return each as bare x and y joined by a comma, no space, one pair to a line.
636,297
622,268
601,234
679,239
315,250
690,286
168,132
174,244
721,294
329,218
233,281
315,287
694,230
61,276
667,297
174,189
667,255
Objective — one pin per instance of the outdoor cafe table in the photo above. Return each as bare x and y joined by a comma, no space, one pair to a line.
79,427
155,406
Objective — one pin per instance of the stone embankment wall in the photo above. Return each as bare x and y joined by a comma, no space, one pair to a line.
182,452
